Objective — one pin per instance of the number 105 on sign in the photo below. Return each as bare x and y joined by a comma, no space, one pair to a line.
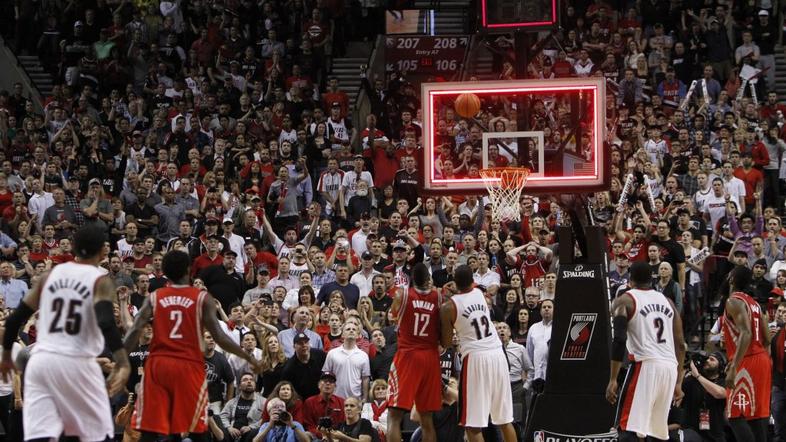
425,55
428,63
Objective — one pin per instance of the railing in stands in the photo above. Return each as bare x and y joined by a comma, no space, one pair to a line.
14,72
376,65
468,67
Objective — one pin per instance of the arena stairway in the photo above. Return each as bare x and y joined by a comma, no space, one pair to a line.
14,72
484,65
780,72
450,16
347,70
42,80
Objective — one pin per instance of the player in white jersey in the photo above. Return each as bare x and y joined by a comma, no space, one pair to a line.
647,326
485,378
65,391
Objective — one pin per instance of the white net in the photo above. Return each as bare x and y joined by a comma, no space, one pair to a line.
505,185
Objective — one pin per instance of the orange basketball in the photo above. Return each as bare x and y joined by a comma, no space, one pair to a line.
467,105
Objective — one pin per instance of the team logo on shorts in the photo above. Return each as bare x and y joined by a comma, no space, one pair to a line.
579,336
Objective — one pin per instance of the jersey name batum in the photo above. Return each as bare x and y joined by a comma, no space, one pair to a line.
473,324
650,328
67,322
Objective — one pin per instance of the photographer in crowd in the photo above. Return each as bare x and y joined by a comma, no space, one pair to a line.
705,396
281,427
241,414
354,427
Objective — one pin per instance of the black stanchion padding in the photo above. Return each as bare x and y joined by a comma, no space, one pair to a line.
573,401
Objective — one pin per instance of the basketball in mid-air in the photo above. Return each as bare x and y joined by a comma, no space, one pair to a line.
467,105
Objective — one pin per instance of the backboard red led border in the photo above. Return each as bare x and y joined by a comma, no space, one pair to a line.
598,181
535,25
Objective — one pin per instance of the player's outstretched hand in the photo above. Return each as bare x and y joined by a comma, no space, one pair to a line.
611,392
6,366
117,379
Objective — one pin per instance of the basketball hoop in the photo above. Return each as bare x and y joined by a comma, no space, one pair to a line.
505,185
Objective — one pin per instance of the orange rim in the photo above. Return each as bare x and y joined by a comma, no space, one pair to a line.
509,177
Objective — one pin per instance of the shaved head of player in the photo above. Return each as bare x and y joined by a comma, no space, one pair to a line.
420,276
640,275
463,278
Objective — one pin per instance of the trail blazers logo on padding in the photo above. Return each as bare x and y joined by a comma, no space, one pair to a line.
579,336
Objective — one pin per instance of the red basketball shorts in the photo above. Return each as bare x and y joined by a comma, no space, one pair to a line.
415,379
174,397
750,397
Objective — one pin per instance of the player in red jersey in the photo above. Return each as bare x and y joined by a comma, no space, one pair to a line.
749,374
174,395
415,376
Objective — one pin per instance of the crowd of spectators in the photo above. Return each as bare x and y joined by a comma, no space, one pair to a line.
214,128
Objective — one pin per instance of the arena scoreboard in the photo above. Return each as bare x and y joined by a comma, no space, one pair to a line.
425,55
510,15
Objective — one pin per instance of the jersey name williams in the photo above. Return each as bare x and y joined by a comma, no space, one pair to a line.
656,308
472,308
70,284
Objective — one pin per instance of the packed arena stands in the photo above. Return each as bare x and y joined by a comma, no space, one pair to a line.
217,128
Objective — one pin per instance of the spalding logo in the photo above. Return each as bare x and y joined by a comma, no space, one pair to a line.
578,272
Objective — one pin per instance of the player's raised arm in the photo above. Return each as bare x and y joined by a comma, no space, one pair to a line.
620,311
15,321
737,311
104,297
447,316
223,341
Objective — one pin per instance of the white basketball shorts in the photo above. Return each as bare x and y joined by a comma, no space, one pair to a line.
484,389
646,398
65,395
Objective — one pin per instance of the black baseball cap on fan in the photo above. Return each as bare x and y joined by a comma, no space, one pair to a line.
88,241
